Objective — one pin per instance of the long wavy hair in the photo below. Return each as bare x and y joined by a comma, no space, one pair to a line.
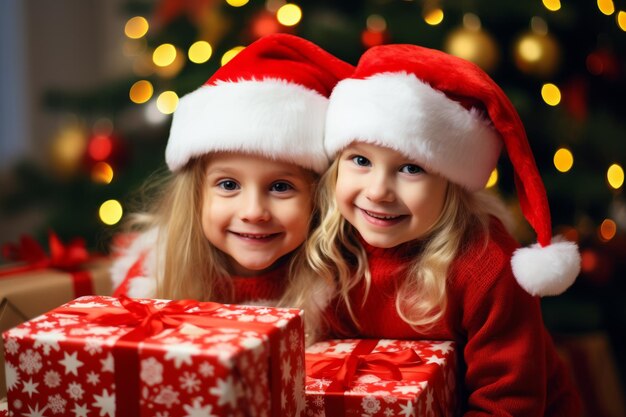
334,253
187,265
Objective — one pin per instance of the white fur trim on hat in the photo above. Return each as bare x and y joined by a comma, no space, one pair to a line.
143,286
398,111
547,270
272,117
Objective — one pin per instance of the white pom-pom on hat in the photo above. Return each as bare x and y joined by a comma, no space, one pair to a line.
448,115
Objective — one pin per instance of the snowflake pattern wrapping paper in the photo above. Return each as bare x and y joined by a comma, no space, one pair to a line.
381,378
197,360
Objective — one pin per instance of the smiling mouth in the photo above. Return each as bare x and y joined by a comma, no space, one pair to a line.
382,219
380,216
260,237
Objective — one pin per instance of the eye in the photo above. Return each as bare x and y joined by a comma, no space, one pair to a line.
228,185
361,161
281,187
411,169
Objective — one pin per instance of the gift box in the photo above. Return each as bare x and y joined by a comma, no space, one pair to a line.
105,356
40,282
361,377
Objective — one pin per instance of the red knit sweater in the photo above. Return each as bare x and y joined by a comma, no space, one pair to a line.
509,363
262,289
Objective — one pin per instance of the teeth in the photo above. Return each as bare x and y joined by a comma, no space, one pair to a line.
253,236
378,216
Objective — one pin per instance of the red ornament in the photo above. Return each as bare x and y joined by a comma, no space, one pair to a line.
105,148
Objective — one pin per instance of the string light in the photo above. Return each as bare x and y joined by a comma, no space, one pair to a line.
136,27
230,54
606,7
615,176
164,55
563,160
551,94
102,173
608,229
552,5
141,91
110,212
289,14
167,102
434,16
200,52
100,148
493,178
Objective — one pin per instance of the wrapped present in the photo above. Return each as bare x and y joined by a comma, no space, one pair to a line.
361,377
41,282
105,356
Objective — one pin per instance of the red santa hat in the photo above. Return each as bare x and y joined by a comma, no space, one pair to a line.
270,99
451,117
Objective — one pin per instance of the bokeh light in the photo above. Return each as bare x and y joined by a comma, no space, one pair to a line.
100,148
230,54
141,91
551,94
615,176
200,52
434,16
607,230
102,173
110,212
606,7
621,20
289,14
563,160
552,5
493,179
164,55
167,102
237,3
136,27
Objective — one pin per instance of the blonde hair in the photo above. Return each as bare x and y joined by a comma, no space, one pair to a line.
334,252
188,265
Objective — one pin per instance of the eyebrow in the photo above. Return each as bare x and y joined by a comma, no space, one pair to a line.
230,171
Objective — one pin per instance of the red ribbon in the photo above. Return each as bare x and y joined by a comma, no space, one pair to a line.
344,371
64,257
148,321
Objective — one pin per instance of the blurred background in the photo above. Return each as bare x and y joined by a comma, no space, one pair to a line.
88,88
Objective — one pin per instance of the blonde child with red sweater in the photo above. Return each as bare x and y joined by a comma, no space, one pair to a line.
245,153
416,244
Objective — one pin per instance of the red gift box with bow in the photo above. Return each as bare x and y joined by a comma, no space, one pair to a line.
364,377
37,282
125,357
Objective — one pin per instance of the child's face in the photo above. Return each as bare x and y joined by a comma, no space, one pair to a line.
255,210
388,198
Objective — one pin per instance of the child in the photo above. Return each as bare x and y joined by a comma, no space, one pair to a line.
411,236
246,151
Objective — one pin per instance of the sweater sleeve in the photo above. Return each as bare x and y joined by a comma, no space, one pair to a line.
504,353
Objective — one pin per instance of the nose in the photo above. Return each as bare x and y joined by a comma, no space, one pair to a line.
254,207
380,188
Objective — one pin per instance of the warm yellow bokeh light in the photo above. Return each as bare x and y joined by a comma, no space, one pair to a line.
530,49
493,179
289,15
164,55
433,17
606,7
563,160
136,27
167,102
608,228
141,91
552,5
551,94
615,176
200,52
621,20
230,54
111,212
102,173
237,3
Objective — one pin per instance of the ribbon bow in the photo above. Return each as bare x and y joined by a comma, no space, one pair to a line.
384,364
66,257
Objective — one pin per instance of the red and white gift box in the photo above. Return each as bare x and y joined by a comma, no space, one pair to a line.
103,356
381,378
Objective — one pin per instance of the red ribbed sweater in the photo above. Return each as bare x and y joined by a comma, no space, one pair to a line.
509,363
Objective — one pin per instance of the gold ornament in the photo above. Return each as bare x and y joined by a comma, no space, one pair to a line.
475,45
67,149
537,54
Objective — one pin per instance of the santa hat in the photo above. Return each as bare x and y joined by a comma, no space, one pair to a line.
270,99
447,114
